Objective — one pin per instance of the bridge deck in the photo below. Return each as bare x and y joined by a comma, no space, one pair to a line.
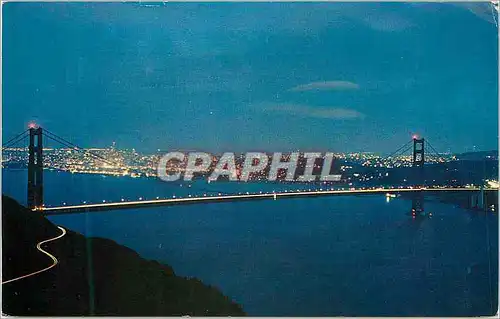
225,198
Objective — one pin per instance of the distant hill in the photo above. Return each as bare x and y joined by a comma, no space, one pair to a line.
95,276
474,156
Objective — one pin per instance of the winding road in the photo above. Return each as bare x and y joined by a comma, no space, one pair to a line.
39,247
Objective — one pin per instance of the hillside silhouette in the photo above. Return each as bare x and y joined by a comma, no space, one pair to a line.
94,276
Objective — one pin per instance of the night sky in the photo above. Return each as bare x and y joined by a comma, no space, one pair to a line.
253,76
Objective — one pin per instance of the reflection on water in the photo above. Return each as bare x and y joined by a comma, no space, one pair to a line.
343,255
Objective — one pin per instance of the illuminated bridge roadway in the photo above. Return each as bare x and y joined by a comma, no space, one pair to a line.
241,197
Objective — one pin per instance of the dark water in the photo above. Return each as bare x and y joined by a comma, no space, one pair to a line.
343,255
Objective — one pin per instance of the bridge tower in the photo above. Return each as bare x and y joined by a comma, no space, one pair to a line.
419,158
35,168
418,171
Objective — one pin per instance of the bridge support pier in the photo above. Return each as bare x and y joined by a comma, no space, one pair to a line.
417,203
35,168
477,200
481,200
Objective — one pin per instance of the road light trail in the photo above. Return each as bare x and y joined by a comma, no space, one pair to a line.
39,247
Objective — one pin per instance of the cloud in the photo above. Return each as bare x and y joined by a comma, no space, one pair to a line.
484,10
334,113
326,85
387,23
383,17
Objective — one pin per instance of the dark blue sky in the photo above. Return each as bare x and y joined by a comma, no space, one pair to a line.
261,76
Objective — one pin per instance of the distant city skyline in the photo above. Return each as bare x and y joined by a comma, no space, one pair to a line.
342,77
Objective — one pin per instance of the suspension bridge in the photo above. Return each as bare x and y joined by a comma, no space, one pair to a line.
35,186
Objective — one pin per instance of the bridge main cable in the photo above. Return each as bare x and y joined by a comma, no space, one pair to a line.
402,149
15,139
61,140
432,148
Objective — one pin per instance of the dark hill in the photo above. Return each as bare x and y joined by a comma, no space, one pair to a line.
94,276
